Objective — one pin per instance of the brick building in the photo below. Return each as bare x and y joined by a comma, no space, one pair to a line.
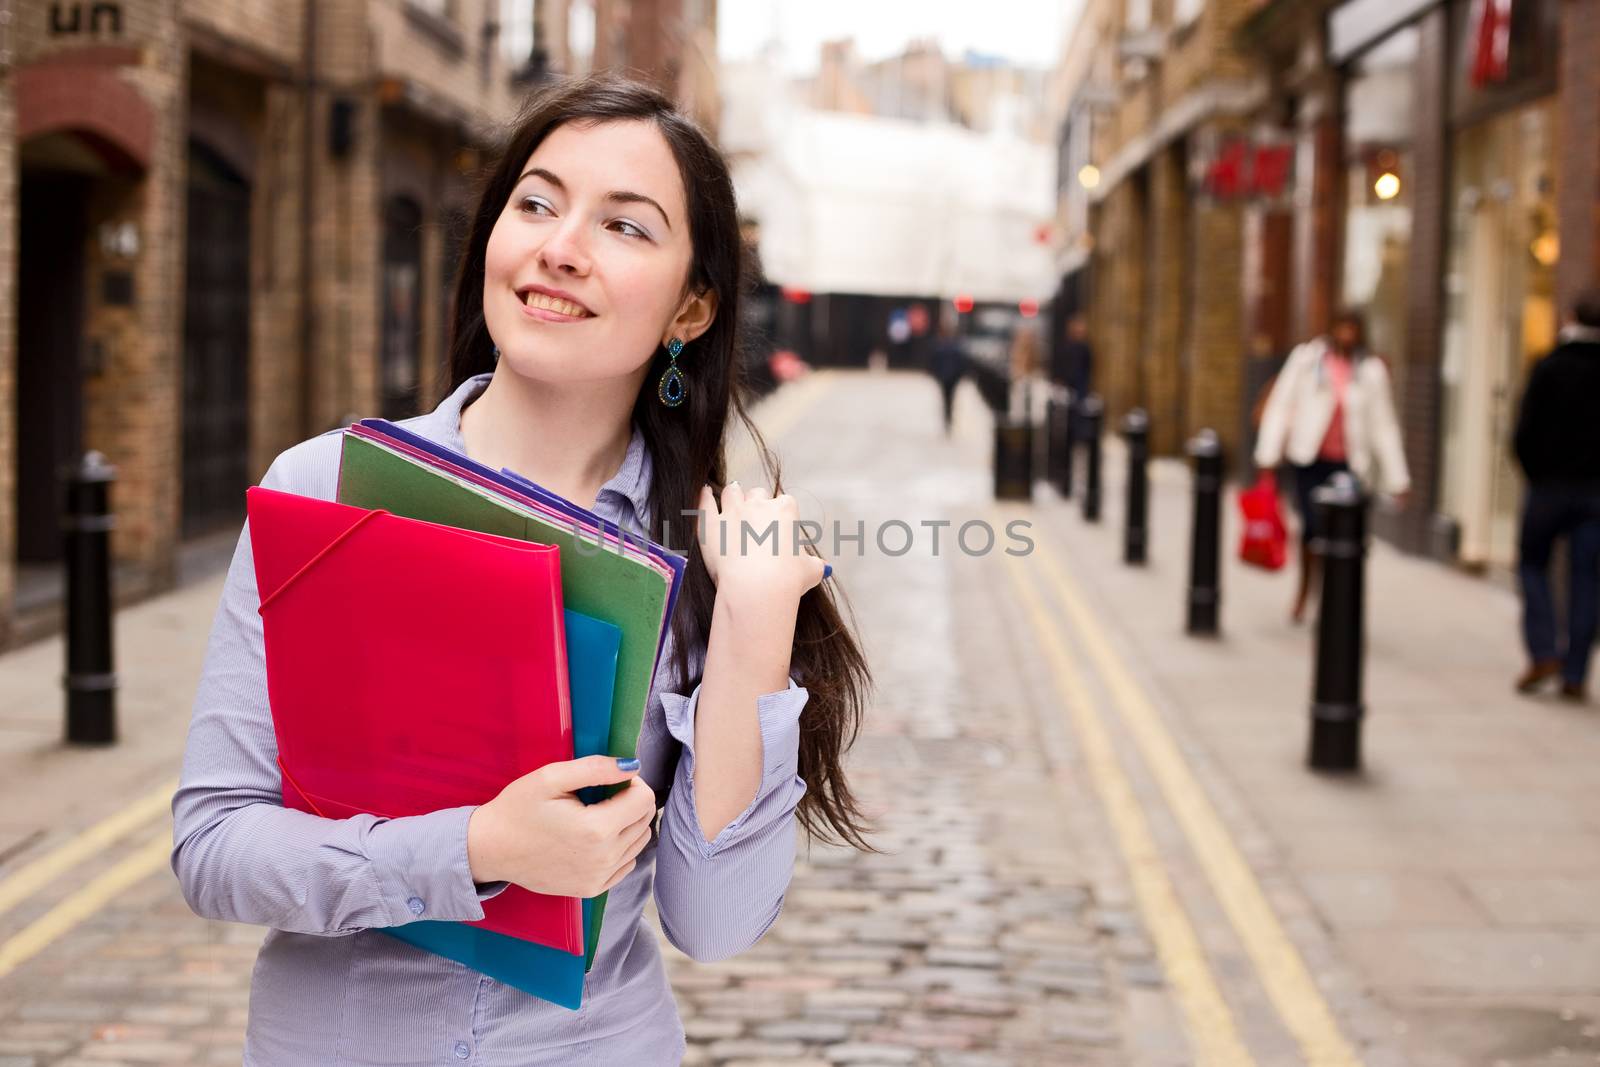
1164,99
228,224
1254,166
1449,181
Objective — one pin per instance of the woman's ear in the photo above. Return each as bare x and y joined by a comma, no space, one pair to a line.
695,316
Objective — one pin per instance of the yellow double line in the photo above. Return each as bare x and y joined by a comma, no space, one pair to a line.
1278,964
145,859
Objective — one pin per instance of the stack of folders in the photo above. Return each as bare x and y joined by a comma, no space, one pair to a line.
440,631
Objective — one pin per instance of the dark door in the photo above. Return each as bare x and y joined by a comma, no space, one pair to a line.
401,361
216,346
50,281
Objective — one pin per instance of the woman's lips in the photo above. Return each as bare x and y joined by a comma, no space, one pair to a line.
552,316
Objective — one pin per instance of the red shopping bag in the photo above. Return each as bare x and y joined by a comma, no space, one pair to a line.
1265,542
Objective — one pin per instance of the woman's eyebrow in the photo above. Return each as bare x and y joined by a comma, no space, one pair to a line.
620,196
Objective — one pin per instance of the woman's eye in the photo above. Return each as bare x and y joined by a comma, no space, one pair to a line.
529,203
632,231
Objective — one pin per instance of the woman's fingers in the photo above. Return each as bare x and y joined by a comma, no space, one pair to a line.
622,872
635,839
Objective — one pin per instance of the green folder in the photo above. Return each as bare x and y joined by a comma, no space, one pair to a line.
621,588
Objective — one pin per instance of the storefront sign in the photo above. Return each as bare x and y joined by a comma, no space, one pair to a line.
1491,42
1243,168
69,19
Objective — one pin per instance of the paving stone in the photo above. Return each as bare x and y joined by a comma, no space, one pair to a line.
816,1031
862,1052
706,1030
749,1048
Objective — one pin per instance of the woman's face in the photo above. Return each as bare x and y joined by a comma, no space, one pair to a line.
585,270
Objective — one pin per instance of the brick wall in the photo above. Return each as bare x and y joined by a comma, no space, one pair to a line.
1116,297
446,64
8,351
271,27
1578,166
1215,352
1417,393
1169,262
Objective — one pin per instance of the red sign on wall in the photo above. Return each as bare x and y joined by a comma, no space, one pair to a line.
1246,169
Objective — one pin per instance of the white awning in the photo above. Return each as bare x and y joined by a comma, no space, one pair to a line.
860,204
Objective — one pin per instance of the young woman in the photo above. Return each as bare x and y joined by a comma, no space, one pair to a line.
595,350
1331,409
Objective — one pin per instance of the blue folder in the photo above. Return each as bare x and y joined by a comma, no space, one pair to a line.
544,972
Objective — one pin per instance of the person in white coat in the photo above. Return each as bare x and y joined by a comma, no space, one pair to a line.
1332,409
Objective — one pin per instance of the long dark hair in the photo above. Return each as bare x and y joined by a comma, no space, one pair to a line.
687,442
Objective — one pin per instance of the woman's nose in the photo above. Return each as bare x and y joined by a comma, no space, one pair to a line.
566,248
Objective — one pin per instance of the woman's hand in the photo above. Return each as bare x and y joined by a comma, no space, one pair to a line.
751,544
540,836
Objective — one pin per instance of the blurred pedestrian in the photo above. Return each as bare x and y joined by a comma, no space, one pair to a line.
1331,409
1558,444
1027,370
948,362
1074,363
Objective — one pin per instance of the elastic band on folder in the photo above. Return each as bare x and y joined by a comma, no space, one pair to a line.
301,793
314,560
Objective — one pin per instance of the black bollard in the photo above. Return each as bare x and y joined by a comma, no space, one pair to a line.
1336,707
1013,458
1092,413
1057,450
1205,543
91,681
1072,431
1136,431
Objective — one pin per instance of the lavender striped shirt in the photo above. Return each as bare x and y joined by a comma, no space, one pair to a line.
326,990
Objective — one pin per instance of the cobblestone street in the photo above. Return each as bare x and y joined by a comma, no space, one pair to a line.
1092,835
974,939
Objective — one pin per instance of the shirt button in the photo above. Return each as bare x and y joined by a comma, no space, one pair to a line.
417,907
463,1050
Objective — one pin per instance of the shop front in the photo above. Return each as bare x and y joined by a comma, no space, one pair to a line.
1500,307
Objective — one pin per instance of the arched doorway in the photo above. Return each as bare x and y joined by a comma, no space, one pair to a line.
216,344
63,174
400,358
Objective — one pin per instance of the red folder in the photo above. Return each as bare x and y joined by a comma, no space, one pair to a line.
412,667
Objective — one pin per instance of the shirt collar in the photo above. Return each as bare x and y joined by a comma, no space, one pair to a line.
631,483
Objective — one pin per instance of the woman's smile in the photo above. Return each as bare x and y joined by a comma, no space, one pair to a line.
551,308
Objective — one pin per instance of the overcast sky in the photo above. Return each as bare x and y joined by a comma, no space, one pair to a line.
1027,32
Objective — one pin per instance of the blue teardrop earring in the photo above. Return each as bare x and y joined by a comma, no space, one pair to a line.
496,354
672,390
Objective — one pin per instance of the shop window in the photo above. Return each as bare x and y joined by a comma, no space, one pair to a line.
1379,173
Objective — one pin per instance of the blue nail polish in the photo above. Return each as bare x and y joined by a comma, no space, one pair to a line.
628,764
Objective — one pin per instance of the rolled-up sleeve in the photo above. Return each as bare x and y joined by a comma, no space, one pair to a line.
243,857
717,898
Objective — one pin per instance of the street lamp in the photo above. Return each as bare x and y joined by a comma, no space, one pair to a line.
1088,175
1387,187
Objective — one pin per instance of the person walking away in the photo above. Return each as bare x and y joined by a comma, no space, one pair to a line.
1558,445
948,363
1331,409
1074,363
